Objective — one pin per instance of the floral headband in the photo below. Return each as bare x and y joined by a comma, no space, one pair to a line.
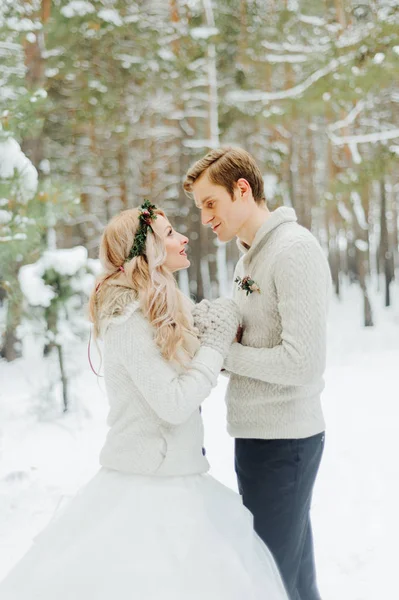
146,216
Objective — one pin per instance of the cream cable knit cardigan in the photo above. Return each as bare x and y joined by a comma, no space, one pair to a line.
155,422
277,369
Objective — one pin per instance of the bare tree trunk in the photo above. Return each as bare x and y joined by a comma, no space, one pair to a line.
122,175
395,234
308,193
290,172
46,10
243,31
33,148
368,316
11,348
386,256
340,13
213,134
334,254
35,78
198,259
291,159
361,249
64,380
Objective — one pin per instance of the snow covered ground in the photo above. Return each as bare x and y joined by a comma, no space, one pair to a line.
45,455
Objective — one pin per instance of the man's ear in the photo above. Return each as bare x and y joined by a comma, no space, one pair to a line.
243,187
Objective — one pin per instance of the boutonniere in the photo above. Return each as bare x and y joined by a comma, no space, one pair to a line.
247,284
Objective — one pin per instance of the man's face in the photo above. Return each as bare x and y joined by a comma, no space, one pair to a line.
218,210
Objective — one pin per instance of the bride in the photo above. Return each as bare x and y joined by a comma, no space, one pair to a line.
152,524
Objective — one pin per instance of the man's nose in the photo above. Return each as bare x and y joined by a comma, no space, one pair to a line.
206,217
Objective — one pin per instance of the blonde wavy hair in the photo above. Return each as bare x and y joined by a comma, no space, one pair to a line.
143,278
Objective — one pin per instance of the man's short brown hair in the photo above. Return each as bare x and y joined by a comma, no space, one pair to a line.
225,166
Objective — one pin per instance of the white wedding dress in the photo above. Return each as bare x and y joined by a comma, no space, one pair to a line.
137,537
130,536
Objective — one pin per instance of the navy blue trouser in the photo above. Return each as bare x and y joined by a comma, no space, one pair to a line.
276,479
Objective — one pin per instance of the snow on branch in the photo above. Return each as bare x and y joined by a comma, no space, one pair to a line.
17,169
66,262
110,15
311,20
344,212
356,157
77,8
193,143
210,18
297,90
86,218
10,49
286,58
359,210
293,48
350,117
377,136
203,33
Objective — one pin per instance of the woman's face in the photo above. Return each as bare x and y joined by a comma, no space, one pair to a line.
175,244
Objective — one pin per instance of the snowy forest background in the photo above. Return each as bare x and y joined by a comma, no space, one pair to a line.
108,102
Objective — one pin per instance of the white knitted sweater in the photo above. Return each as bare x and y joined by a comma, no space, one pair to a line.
276,372
155,422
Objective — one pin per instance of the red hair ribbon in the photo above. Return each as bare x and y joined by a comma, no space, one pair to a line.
88,356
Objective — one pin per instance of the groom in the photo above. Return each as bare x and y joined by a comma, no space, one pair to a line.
282,286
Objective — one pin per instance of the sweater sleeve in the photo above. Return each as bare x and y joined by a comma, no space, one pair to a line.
303,284
173,396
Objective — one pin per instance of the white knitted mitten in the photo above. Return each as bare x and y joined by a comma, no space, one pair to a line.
200,315
217,323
